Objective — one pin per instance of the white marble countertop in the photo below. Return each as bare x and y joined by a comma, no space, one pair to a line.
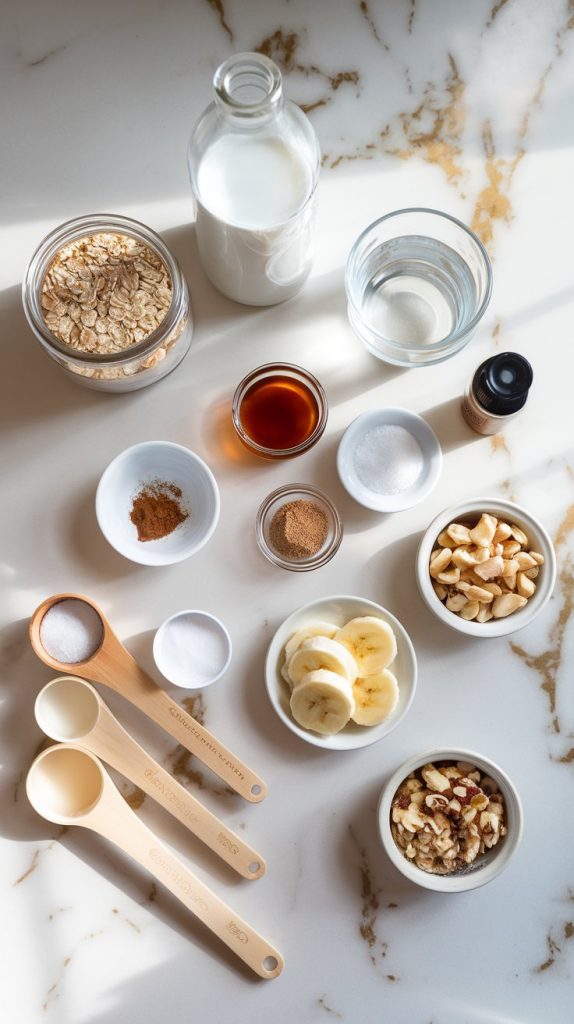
464,107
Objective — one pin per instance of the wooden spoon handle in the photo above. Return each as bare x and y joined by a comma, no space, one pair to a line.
205,746
119,824
110,741
115,667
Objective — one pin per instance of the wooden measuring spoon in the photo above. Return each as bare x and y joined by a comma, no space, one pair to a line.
70,786
70,709
114,666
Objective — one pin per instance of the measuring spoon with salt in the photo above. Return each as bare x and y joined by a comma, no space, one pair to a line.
69,709
108,661
70,786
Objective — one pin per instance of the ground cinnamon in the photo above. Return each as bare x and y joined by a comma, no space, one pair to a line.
157,510
298,529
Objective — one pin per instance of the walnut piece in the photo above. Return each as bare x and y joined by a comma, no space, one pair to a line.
445,816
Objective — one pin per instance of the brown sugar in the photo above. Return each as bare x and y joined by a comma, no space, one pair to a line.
298,529
157,510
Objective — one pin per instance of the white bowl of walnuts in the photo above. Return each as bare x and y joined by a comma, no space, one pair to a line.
486,567
450,819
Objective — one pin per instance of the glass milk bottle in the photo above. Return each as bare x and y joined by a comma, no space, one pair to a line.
254,164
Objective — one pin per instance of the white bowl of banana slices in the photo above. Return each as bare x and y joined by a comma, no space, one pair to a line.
341,672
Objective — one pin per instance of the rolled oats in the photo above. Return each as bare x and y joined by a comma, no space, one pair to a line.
445,816
105,292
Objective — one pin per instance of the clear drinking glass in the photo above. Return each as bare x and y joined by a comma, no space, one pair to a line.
418,283
254,165
140,364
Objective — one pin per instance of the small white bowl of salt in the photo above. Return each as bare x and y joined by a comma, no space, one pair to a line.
389,459
192,649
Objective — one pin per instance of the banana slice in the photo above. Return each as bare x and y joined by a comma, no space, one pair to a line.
372,643
306,633
320,652
286,676
376,697
322,701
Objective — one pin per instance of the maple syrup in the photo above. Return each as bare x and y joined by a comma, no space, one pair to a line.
276,413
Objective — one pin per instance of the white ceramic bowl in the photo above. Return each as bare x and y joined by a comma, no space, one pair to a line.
214,629
139,465
339,610
431,452
484,868
539,541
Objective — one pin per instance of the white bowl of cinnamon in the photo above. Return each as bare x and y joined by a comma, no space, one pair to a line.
157,503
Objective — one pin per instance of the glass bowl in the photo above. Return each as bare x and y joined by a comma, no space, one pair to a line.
418,283
307,382
295,492
137,365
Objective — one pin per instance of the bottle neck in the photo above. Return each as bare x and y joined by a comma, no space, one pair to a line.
248,87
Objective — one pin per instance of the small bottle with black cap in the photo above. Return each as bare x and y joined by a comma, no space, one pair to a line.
497,392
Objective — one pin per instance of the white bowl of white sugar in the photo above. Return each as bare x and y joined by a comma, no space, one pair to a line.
389,459
192,649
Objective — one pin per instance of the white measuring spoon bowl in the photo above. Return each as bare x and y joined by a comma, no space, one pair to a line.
70,709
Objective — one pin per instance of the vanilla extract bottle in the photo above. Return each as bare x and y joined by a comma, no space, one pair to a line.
497,392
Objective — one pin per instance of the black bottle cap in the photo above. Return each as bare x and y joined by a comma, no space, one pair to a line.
502,382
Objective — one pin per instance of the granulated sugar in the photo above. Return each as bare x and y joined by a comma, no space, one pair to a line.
191,649
71,631
388,459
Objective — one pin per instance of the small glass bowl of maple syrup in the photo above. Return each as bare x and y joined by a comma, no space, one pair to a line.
279,411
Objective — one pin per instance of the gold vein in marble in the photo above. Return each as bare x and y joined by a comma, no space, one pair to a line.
412,15
493,201
329,1009
308,107
38,854
496,11
566,527
282,47
181,761
134,797
554,949
219,9
507,488
365,11
434,129
53,992
498,444
370,905
548,662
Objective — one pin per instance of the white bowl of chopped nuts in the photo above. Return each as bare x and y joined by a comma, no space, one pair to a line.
450,820
486,567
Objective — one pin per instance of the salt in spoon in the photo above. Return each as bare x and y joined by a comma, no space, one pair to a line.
69,786
70,709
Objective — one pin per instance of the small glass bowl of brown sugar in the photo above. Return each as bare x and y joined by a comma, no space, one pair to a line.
298,528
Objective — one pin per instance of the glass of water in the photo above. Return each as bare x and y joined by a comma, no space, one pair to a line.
418,283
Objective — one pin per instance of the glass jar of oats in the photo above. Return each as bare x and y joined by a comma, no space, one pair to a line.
108,301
